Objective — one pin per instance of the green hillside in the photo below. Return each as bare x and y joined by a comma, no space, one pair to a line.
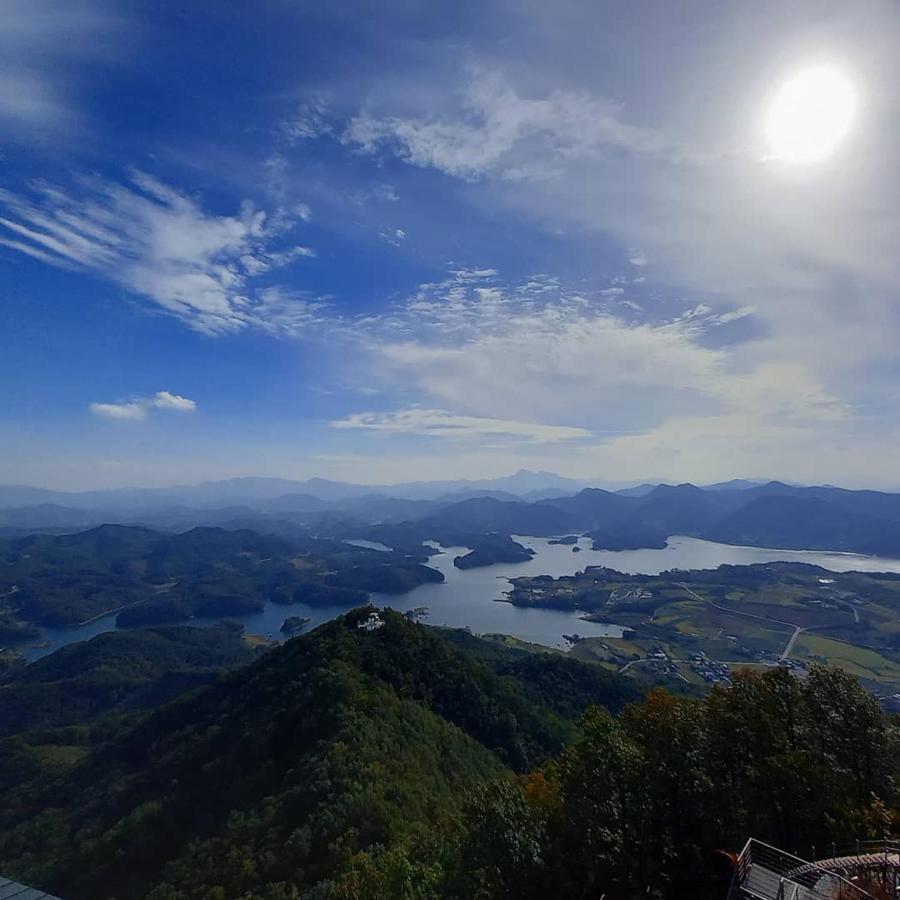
292,769
418,763
150,577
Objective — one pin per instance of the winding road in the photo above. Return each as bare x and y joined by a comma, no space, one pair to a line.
798,630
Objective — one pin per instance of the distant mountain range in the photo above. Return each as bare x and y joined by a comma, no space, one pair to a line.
762,515
253,491
772,514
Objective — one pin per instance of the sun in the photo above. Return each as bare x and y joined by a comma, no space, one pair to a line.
810,115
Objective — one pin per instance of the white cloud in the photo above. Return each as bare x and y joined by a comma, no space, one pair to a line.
127,410
679,184
158,243
285,313
497,131
534,351
734,316
478,349
442,424
136,409
166,400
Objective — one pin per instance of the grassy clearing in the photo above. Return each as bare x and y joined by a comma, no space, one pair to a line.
859,661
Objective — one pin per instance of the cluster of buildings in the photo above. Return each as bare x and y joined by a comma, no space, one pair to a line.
629,595
372,622
800,666
662,664
709,670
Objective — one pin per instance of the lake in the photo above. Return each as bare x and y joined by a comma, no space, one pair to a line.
467,597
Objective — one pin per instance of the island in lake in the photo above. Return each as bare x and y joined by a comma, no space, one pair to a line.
295,624
494,549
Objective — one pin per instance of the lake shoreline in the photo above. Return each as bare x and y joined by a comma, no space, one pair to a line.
463,600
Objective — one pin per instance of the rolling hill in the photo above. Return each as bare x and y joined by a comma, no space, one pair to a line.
295,769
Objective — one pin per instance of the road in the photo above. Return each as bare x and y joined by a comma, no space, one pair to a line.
797,629
644,659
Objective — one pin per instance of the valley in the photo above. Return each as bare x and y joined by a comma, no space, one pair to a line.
697,626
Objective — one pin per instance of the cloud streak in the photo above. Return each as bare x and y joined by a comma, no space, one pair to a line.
159,243
442,424
497,131
41,43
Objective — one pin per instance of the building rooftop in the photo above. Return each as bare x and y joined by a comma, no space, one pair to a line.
12,890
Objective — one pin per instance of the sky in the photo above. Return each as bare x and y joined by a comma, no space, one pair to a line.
391,241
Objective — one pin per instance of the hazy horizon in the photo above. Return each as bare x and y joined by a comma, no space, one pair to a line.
551,480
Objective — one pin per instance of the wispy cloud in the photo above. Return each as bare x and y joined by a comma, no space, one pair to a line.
161,244
442,424
395,237
475,345
310,120
496,130
136,409
41,41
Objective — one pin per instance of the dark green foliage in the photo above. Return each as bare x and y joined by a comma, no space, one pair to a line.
502,852
284,772
564,685
354,765
53,712
161,611
73,597
156,578
385,578
493,549
328,595
11,629
117,670
638,804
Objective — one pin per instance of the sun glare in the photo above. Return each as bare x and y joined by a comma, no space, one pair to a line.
810,115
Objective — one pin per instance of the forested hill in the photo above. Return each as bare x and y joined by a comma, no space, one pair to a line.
417,764
294,769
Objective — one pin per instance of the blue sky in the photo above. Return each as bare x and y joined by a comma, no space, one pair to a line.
397,241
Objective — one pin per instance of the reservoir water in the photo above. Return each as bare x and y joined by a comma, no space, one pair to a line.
468,598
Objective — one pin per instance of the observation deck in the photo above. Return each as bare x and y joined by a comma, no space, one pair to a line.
866,870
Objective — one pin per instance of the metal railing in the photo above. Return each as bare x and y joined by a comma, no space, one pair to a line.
767,873
888,846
